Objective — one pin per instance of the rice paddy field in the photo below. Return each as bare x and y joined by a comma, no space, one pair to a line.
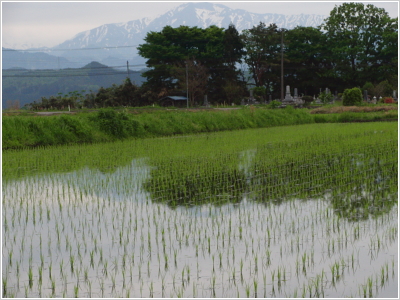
292,211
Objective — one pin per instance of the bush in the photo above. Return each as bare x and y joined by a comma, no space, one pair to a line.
388,100
352,97
325,97
307,99
274,104
369,87
117,124
259,92
384,88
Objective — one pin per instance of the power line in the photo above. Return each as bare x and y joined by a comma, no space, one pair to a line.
57,73
64,69
70,75
67,49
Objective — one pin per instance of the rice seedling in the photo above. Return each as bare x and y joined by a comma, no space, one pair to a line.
30,276
76,291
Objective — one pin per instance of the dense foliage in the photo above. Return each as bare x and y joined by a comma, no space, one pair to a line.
356,44
363,41
263,47
195,61
352,97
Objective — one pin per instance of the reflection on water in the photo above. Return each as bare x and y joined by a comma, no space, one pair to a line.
93,234
246,160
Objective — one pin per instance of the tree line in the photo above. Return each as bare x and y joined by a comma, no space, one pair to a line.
356,46
125,94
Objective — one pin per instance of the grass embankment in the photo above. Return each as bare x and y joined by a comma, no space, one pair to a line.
109,125
342,114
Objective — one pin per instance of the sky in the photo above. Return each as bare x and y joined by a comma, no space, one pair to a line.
36,24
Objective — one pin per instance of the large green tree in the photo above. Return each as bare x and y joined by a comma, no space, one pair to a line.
263,46
363,39
225,83
174,55
307,61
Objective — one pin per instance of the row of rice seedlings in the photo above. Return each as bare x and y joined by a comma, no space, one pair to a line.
106,157
186,185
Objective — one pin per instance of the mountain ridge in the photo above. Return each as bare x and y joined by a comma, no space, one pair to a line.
128,35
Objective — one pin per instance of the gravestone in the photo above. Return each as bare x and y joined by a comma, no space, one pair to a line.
251,99
206,104
288,98
394,96
298,100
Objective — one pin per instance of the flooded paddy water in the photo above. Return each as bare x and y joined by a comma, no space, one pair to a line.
257,213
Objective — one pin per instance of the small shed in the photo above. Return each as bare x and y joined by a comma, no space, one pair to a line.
176,101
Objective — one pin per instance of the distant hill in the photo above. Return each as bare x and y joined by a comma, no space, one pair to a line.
30,85
32,60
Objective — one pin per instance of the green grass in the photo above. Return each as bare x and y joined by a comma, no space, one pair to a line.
110,125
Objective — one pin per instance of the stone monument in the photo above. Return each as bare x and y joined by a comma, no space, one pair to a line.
206,104
251,98
288,98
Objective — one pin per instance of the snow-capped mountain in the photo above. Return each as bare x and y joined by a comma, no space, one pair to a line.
207,14
114,44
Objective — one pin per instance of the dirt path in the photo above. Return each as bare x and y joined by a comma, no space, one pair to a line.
50,113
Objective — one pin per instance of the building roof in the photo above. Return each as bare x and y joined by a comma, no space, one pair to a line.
175,98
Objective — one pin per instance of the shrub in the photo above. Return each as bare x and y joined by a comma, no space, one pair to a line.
325,97
369,87
117,124
384,88
307,99
259,92
388,100
352,97
274,104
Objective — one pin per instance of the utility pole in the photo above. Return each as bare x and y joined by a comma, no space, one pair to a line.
282,93
127,68
187,86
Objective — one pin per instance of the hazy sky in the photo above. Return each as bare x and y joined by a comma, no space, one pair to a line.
51,23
